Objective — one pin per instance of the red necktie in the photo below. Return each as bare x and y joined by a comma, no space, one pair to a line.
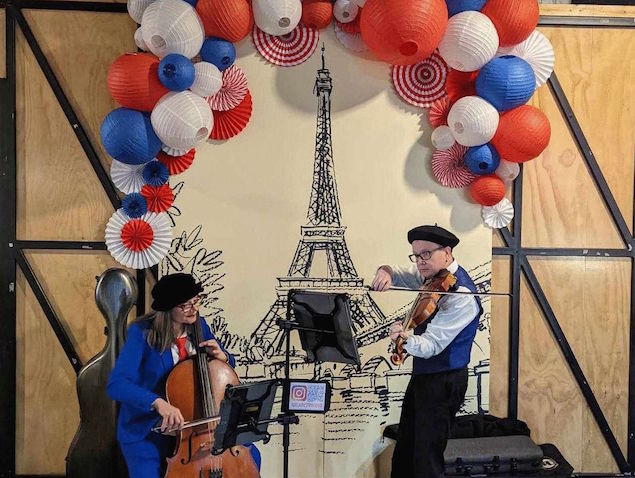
180,343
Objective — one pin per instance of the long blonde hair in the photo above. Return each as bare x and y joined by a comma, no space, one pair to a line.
160,332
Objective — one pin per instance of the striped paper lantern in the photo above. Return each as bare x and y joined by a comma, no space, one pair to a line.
133,81
229,20
473,121
487,190
523,134
514,19
506,82
277,17
317,13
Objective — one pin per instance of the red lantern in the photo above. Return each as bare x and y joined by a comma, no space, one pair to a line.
488,190
133,81
523,134
317,13
229,20
403,32
514,19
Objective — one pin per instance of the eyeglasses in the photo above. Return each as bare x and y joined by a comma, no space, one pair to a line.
194,304
424,255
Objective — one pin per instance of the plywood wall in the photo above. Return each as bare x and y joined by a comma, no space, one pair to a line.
59,198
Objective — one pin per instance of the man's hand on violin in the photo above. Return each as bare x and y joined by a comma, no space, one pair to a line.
214,351
396,331
382,280
172,417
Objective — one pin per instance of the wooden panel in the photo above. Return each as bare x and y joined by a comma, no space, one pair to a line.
499,337
47,413
3,43
588,10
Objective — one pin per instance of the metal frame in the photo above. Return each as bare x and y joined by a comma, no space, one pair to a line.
14,256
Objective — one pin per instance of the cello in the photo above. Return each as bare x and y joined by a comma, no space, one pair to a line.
196,386
422,308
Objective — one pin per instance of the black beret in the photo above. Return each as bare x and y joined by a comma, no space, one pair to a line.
435,234
174,289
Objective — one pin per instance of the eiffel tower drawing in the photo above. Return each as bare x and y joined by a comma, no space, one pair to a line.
323,235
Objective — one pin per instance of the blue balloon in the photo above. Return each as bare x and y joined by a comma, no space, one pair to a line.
506,82
176,72
483,159
218,52
128,136
458,6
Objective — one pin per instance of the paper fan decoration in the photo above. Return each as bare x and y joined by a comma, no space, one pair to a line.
134,205
177,164
438,113
127,178
449,168
351,41
228,124
232,92
538,52
287,50
175,151
422,83
138,243
459,84
155,173
160,198
499,215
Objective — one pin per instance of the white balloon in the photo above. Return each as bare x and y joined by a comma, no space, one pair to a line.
345,11
277,17
136,8
208,79
442,138
469,42
473,121
507,170
138,39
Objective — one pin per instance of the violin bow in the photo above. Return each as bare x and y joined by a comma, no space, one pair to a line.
443,292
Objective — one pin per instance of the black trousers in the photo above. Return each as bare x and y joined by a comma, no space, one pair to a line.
429,408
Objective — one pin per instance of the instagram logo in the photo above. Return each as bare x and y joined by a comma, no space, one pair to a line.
298,392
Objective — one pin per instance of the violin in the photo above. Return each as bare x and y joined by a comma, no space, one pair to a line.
422,308
196,386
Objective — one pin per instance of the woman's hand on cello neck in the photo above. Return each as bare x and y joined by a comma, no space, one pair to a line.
214,351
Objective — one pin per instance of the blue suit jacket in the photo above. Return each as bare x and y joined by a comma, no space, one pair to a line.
138,379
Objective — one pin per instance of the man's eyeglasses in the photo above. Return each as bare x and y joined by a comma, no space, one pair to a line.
424,255
193,304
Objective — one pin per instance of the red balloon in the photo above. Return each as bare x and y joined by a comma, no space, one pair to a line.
488,190
317,13
403,32
230,20
523,134
514,19
133,81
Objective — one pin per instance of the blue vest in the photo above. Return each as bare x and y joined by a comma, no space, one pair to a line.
456,355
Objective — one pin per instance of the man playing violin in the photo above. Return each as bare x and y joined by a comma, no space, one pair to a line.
440,347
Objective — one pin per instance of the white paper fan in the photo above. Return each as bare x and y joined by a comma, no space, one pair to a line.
352,41
146,249
538,52
499,215
127,177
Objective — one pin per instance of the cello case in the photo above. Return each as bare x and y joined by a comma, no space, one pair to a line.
94,452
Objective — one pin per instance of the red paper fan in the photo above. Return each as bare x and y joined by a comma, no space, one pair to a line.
449,167
137,235
422,83
351,27
287,50
438,113
232,92
228,124
177,164
460,83
159,198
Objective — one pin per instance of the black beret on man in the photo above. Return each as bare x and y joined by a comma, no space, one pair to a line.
435,234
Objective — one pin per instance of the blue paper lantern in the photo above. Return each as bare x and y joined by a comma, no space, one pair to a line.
192,2
482,159
458,6
176,72
219,52
134,205
155,173
127,136
506,82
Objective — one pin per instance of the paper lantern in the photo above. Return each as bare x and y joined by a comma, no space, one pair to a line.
482,159
458,6
506,82
351,41
352,26
507,171
172,26
182,120
128,136
499,215
219,52
138,40
448,167
208,79
487,190
523,134
287,50
438,112
403,32
277,17
442,138
514,19
136,8
538,52
230,20
133,81
134,205
469,42
155,173
473,121
317,13
360,3
345,11
176,72
127,177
